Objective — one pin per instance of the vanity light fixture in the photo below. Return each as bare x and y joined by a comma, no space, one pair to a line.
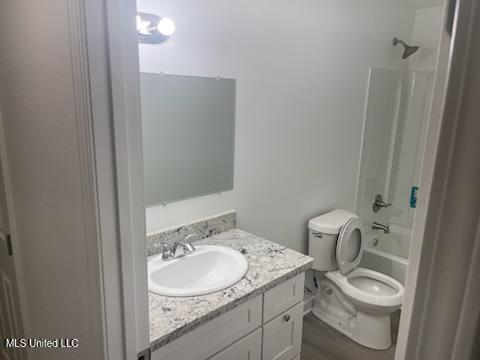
153,29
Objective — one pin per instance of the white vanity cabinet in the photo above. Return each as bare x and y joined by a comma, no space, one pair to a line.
268,327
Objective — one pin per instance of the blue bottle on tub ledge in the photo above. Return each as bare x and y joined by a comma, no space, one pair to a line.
413,197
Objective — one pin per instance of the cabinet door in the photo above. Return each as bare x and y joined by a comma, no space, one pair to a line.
248,348
282,337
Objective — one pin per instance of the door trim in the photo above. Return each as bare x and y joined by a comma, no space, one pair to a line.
125,92
25,329
114,85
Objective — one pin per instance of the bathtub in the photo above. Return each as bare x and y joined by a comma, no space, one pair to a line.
388,253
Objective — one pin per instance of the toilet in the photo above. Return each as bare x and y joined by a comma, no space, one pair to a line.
354,300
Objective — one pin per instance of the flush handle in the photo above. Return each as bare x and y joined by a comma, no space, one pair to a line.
286,318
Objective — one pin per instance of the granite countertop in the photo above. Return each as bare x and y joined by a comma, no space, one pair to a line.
269,265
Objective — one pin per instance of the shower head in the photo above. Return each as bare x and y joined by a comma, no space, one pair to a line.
408,50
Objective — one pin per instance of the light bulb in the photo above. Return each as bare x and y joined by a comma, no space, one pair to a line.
166,26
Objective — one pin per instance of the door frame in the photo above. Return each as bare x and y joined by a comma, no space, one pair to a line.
16,248
125,96
111,45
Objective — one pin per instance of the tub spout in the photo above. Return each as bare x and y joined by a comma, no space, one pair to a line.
378,226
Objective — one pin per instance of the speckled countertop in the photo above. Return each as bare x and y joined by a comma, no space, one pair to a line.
269,265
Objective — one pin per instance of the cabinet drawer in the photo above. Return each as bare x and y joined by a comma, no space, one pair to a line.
248,348
282,337
283,297
215,335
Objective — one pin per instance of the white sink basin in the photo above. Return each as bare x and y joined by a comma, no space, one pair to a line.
208,269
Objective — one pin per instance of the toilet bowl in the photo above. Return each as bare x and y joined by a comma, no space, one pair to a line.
369,290
354,300
375,296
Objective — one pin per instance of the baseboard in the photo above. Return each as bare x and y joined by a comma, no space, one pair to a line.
307,311
308,303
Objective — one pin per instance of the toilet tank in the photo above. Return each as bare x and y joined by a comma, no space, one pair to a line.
322,239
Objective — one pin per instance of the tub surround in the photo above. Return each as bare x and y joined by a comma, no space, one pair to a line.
204,227
269,265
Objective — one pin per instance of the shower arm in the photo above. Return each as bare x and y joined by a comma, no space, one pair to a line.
398,41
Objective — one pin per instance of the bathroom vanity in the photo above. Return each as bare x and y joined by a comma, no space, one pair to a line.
260,317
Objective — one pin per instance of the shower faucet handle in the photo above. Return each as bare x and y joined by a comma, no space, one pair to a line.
378,203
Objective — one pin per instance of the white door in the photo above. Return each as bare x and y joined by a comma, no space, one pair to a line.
10,320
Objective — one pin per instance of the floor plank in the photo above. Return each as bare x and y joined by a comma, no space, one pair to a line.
322,342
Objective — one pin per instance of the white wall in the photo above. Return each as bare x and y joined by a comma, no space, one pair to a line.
42,134
301,70
425,3
426,33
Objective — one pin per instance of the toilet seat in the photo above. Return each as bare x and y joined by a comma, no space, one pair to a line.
374,279
350,246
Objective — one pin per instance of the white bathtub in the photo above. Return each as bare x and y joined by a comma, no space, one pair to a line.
388,253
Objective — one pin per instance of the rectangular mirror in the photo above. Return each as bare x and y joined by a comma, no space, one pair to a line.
188,136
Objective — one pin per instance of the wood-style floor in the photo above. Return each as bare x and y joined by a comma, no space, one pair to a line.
322,342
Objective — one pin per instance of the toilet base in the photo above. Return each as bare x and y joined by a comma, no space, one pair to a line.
343,325
372,330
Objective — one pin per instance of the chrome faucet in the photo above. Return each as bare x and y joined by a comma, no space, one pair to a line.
187,248
378,226
170,253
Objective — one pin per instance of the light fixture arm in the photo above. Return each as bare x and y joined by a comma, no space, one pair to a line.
153,29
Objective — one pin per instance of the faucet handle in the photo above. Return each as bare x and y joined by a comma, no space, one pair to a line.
166,252
378,203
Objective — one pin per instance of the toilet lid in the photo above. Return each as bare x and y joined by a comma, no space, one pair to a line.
350,246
